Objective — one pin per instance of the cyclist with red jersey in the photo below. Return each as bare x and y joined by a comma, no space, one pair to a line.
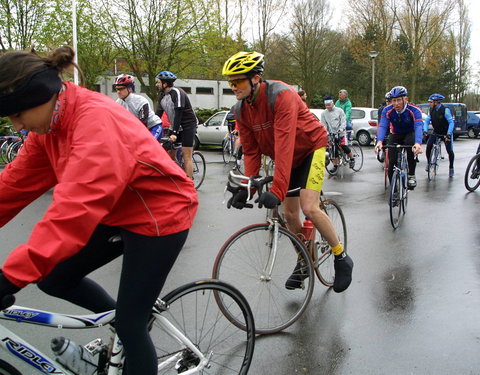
110,178
274,121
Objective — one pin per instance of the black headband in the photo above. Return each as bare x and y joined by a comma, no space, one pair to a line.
38,89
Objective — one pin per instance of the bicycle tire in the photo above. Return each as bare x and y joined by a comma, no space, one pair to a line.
395,200
473,169
385,170
194,309
8,369
358,155
321,252
13,149
199,168
242,261
404,191
432,167
227,152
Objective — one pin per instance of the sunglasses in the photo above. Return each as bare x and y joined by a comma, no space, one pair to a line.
120,88
240,82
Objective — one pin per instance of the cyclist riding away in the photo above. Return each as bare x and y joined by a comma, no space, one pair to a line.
138,105
183,121
443,125
335,121
406,126
111,180
274,121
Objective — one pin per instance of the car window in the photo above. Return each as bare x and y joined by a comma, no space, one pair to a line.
357,113
374,114
217,119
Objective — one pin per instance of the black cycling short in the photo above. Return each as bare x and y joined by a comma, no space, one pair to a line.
186,136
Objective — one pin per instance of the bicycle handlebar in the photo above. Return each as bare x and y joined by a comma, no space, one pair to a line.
249,183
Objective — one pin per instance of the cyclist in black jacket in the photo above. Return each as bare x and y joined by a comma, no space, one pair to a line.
183,121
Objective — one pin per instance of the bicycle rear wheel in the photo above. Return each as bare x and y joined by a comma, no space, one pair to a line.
244,260
194,310
358,155
472,174
199,168
395,199
321,251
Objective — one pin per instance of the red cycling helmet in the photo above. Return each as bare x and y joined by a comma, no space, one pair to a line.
124,80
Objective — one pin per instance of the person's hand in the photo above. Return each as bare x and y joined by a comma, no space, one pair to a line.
378,147
7,290
238,199
448,137
267,199
417,149
173,137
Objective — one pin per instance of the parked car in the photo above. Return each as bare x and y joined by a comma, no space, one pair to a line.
459,113
364,124
317,112
212,131
473,124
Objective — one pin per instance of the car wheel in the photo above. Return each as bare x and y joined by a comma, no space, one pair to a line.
471,132
364,138
196,143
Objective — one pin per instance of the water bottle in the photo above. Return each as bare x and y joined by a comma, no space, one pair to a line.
73,356
308,230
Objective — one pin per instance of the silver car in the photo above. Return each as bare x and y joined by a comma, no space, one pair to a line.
212,131
364,123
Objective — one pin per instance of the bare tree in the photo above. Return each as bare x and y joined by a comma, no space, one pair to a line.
269,14
422,23
462,44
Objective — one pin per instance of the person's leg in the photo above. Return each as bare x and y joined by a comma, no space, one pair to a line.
187,136
451,155
409,139
291,212
430,142
67,280
146,264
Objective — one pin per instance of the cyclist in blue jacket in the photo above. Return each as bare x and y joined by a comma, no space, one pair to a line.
443,125
406,126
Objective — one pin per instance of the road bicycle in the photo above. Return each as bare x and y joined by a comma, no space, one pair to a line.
472,173
435,157
260,258
190,333
10,145
336,155
198,160
230,154
398,198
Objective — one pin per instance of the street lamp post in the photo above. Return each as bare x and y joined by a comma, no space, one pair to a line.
74,37
372,55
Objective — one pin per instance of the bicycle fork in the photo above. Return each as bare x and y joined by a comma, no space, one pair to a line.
272,244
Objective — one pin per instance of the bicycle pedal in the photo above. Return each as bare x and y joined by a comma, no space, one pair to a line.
94,346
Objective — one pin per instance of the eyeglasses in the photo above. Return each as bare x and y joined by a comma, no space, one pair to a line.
238,83
120,88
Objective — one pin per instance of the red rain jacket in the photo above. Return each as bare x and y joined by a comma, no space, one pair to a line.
106,168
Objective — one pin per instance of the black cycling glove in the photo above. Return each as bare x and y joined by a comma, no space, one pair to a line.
267,199
238,199
7,289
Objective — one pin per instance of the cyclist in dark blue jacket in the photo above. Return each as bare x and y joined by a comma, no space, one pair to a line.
406,126
442,122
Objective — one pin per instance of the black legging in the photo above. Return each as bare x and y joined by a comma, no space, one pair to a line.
401,139
146,264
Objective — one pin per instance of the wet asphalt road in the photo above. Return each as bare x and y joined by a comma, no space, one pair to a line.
413,307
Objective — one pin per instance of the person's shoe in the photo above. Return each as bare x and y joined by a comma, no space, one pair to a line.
295,281
411,182
352,163
334,169
343,272
451,172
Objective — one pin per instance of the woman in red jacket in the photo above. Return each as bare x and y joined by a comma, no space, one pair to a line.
110,178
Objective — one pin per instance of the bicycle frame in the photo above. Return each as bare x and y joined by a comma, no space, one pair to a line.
22,352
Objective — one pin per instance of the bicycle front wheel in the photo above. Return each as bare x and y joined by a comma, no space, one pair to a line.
432,167
260,262
199,168
472,174
194,310
357,153
395,199
321,251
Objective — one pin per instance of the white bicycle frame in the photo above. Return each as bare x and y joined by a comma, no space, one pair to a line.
20,352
